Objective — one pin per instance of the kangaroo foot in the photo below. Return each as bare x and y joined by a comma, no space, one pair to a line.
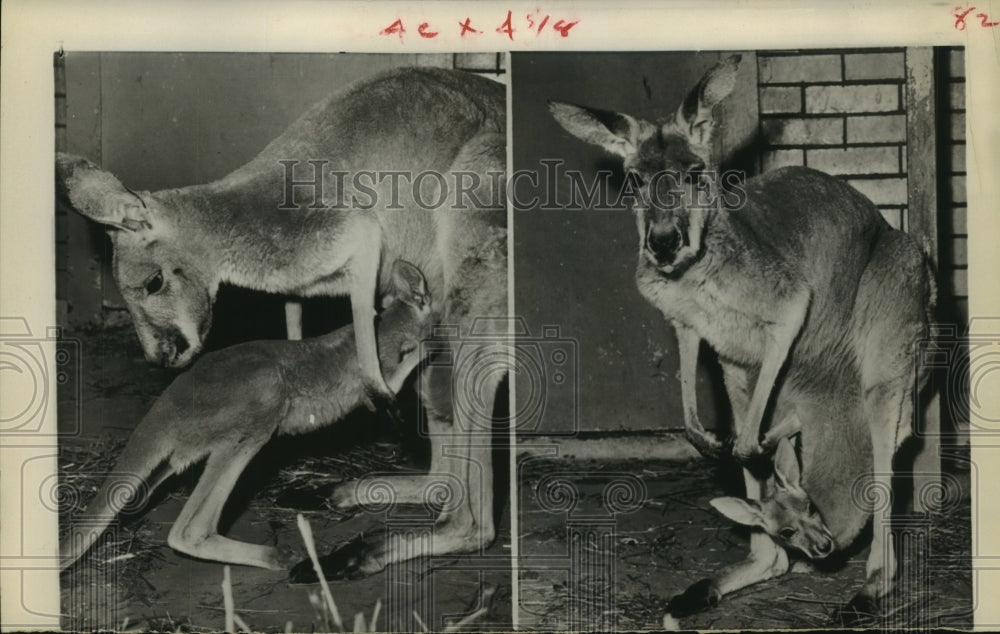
700,596
860,611
354,560
281,558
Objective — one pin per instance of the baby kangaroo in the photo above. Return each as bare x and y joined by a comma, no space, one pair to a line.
785,512
231,403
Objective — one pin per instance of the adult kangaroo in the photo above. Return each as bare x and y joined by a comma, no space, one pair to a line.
407,165
794,279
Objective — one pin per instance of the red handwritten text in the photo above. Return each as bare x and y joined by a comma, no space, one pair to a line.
537,23
394,28
507,27
424,32
467,28
960,13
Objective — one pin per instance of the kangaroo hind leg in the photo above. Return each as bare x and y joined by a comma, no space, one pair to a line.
472,247
195,532
892,312
461,477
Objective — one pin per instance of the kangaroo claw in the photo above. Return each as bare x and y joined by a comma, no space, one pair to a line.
707,443
746,450
382,404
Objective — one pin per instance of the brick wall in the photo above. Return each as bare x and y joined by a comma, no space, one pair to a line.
951,137
841,113
844,112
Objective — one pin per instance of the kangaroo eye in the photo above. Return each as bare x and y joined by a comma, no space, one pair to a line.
787,533
154,283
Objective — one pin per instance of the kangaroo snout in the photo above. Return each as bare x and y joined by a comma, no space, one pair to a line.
823,548
174,351
663,243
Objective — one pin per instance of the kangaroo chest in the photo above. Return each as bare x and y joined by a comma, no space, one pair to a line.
723,316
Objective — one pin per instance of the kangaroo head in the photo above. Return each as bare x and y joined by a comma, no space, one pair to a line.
786,513
668,163
406,319
168,282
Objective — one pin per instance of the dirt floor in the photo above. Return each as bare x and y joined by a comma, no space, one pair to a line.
584,568
134,580
581,566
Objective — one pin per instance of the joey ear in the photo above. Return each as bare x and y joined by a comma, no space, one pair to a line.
609,130
409,284
98,195
786,465
746,512
696,111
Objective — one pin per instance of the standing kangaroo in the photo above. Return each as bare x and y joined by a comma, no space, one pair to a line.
804,292
174,247
232,402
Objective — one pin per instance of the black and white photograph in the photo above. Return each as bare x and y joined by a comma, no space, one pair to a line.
254,271
495,317
748,250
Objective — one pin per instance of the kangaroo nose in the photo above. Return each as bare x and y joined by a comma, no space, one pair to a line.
663,244
181,345
826,548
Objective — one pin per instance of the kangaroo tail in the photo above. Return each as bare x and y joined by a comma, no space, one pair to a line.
126,487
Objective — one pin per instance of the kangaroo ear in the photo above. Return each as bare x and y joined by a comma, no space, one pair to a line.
612,131
786,465
98,195
409,285
746,512
696,112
